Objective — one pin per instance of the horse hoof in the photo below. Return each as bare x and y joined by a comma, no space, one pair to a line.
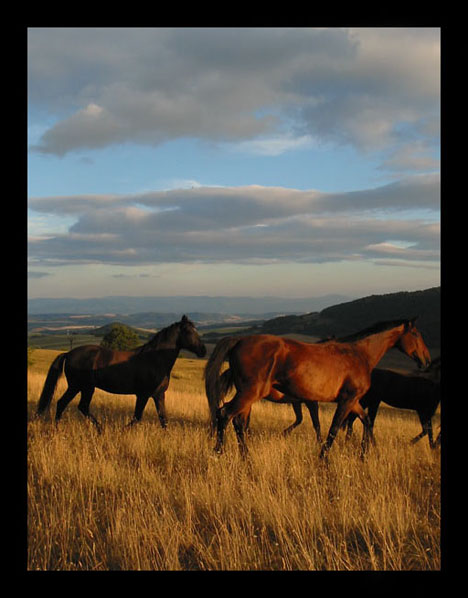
323,456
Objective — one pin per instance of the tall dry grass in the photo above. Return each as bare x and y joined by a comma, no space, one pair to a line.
146,499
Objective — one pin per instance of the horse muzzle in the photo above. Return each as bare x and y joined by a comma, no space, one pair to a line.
422,365
201,351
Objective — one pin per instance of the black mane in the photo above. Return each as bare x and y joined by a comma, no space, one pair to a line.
167,337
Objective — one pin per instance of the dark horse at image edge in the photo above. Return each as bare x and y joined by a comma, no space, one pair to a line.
144,371
420,393
270,367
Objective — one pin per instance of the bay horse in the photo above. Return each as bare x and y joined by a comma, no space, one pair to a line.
404,391
424,408
144,371
312,407
331,371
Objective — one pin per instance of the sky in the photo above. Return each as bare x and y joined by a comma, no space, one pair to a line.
233,161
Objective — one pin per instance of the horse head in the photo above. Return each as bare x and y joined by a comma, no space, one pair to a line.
189,338
411,342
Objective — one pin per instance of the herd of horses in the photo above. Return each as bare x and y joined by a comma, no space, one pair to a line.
262,366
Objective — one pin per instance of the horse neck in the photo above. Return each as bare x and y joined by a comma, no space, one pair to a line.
164,340
376,345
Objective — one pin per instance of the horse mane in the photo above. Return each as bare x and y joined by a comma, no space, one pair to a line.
373,329
165,335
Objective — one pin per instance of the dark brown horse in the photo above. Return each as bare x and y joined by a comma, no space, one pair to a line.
144,371
330,371
404,391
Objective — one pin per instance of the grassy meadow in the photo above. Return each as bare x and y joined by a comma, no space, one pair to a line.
143,498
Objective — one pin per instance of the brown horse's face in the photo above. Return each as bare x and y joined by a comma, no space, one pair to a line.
189,338
411,343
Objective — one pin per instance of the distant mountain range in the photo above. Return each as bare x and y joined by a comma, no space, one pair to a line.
179,305
325,316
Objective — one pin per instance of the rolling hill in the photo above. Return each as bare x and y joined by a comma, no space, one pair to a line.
349,317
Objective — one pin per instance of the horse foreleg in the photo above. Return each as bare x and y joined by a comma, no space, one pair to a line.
139,408
427,424
160,402
432,444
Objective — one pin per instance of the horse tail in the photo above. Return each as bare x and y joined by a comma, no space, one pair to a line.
55,371
216,385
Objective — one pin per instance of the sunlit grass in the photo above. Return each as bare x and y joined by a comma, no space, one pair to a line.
143,498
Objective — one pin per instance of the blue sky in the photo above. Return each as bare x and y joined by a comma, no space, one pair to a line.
289,162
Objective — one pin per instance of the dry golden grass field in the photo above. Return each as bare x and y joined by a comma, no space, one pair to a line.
143,498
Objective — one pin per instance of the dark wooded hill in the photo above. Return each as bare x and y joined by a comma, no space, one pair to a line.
349,317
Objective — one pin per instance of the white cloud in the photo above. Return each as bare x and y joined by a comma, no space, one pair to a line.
109,86
272,146
415,156
244,224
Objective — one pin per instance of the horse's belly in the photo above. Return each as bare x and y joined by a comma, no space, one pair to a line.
125,382
313,389
112,387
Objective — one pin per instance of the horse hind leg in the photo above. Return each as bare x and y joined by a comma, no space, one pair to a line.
347,399
426,430
298,412
313,411
64,400
239,405
367,433
83,407
222,420
241,423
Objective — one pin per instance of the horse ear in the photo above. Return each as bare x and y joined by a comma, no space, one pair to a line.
184,318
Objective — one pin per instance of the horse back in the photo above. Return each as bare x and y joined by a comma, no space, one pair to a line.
403,391
95,357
